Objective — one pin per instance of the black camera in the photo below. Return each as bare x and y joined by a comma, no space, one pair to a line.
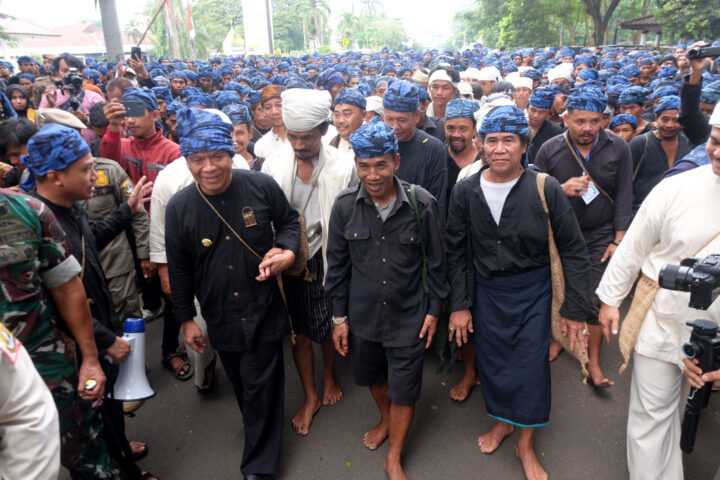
703,52
72,83
700,277
704,345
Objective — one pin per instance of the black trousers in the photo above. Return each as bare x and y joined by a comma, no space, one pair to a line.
258,378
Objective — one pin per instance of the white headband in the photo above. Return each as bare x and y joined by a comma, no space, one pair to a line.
441,75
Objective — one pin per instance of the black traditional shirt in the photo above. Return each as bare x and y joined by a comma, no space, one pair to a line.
610,166
546,132
517,244
374,273
206,260
423,162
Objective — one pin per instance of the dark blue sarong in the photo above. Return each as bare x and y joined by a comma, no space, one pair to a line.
512,337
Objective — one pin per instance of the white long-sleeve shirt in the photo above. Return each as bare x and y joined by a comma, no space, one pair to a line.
678,217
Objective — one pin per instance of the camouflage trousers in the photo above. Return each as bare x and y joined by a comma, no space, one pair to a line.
82,449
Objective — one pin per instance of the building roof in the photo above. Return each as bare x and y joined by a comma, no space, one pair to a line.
18,28
78,37
645,24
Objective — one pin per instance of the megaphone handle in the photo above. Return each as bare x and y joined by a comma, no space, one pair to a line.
131,340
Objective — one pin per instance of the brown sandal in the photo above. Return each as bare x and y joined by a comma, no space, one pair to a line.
184,370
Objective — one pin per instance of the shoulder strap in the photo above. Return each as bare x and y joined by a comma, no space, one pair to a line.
642,157
572,150
413,199
541,190
312,189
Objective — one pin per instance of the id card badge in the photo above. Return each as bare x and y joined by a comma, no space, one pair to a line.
590,193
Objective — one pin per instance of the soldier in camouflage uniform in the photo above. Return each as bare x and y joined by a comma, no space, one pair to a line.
113,188
35,261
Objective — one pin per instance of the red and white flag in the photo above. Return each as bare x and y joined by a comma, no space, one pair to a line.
191,27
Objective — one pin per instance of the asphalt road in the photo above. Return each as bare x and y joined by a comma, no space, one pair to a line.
200,437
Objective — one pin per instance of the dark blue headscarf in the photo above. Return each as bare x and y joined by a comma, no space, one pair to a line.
505,118
542,98
622,119
633,95
199,99
461,108
53,147
670,102
162,93
174,107
147,97
374,139
351,96
711,92
663,91
588,99
225,98
237,113
202,131
401,96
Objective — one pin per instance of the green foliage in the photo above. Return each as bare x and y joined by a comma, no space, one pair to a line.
688,19
375,30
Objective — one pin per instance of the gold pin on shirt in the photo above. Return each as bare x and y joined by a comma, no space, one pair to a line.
206,242
249,217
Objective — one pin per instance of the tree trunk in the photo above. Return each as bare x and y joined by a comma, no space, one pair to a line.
111,31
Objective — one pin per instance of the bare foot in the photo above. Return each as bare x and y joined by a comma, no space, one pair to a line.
533,469
461,391
377,435
394,470
303,419
597,378
332,393
555,350
489,442
137,447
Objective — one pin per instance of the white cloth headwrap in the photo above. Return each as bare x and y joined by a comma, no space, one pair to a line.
441,75
490,74
375,104
522,82
304,109
715,118
561,71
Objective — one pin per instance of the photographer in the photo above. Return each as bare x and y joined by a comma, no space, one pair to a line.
673,223
68,93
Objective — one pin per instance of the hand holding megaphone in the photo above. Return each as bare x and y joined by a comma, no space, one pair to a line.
119,350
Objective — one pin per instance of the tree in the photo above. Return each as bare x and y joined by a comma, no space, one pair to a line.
689,19
134,30
348,26
314,14
371,7
600,12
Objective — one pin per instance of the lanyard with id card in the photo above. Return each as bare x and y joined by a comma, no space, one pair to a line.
592,189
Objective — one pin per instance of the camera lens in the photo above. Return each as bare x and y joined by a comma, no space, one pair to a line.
675,277
691,350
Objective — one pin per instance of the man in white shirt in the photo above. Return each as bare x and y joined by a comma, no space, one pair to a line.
311,175
676,220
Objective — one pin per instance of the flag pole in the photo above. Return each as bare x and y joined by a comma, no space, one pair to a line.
147,29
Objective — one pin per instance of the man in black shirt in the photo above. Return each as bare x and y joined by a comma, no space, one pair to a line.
60,162
226,236
541,101
423,156
655,152
498,214
431,125
386,280
461,152
594,168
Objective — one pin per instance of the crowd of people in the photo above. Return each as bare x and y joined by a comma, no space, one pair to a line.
377,205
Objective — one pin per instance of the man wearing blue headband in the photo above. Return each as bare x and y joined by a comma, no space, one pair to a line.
538,114
497,213
632,100
60,163
226,235
677,220
312,175
349,114
623,125
594,168
242,123
386,280
656,151
425,160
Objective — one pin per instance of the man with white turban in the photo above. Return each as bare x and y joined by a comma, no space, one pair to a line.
311,175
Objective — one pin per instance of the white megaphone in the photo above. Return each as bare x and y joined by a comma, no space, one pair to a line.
132,384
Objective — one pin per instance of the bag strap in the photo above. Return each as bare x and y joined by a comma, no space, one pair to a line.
582,165
413,199
706,244
312,189
278,277
642,157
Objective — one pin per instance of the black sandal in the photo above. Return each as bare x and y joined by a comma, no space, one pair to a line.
206,387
